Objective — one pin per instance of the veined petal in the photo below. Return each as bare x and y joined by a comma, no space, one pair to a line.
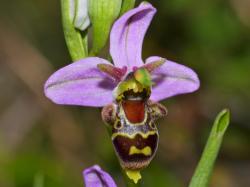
96,177
172,79
127,36
81,83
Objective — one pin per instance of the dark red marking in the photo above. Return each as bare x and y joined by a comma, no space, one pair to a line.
134,110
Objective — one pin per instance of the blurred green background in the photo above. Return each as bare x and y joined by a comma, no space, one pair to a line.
44,143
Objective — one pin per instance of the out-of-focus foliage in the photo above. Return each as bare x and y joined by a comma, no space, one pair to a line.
41,141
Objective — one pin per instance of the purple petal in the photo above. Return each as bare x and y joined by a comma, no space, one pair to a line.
96,177
172,79
81,83
127,36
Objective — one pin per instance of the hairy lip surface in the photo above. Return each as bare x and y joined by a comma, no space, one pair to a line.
123,144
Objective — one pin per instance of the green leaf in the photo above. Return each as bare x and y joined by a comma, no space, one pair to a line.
102,15
127,5
205,167
74,40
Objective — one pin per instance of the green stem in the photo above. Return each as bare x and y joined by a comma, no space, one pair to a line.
76,46
85,41
205,167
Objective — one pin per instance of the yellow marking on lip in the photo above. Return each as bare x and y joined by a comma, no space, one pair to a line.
146,151
134,175
132,136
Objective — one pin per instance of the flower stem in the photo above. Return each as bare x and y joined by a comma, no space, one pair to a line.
76,45
205,167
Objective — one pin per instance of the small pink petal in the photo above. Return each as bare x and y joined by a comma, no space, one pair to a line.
114,72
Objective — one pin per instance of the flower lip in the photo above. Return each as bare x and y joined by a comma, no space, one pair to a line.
135,161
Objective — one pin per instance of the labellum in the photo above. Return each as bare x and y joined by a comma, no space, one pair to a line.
132,120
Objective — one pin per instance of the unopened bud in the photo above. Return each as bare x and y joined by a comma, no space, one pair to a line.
79,13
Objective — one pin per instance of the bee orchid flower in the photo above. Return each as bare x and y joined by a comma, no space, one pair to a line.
128,89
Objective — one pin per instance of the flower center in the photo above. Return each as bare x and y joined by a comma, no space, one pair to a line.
136,86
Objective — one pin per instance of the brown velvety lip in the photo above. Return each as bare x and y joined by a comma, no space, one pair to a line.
123,144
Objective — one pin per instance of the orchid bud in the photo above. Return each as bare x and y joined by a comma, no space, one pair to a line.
79,13
102,15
